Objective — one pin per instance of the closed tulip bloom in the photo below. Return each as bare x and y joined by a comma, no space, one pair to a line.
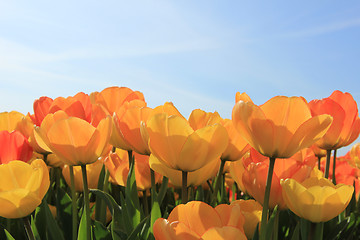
195,178
316,199
251,210
199,118
177,145
118,165
14,146
41,109
127,127
92,172
198,220
280,127
112,98
242,97
22,187
168,108
354,155
11,121
346,124
77,142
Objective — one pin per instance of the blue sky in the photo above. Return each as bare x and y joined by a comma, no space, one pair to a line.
197,54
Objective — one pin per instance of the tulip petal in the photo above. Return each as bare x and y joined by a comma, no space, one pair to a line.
225,233
307,134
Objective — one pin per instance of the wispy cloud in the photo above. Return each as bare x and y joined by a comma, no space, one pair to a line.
323,29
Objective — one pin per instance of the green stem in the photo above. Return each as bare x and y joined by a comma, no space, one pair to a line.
334,167
264,216
217,182
327,166
145,203
319,230
319,163
28,229
184,195
86,203
74,204
131,159
153,187
275,235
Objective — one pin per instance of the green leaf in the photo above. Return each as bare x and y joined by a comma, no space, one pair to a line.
64,212
8,235
304,228
100,232
98,204
34,229
163,190
134,234
82,227
296,233
270,224
49,222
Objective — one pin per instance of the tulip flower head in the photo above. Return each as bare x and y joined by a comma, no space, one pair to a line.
316,199
22,187
280,127
198,220
14,146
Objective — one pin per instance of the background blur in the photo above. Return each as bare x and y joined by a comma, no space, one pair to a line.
197,54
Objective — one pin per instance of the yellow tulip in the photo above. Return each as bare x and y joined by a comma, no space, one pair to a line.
22,187
280,127
316,199
177,145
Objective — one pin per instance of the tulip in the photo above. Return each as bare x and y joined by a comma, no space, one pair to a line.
23,187
127,127
76,106
198,220
251,210
14,120
316,199
118,165
280,127
92,172
199,119
14,146
346,124
112,98
354,155
75,141
41,109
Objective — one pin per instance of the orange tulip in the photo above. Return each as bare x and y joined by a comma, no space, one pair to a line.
346,124
298,167
251,210
76,106
127,127
198,220
112,98
242,97
41,109
199,118
118,165
73,140
195,178
22,187
168,108
177,145
92,171
280,127
14,146
14,120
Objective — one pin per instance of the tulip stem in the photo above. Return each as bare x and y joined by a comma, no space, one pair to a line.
334,166
86,203
319,163
264,216
145,203
28,229
153,187
184,194
327,166
217,182
74,205
317,231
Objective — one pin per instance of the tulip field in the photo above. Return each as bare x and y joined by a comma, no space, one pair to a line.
104,165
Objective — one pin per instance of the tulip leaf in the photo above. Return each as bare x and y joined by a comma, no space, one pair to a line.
82,232
256,235
296,232
163,190
304,228
64,211
99,210
45,218
101,232
131,198
270,225
125,215
34,229
136,231
8,235
155,214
